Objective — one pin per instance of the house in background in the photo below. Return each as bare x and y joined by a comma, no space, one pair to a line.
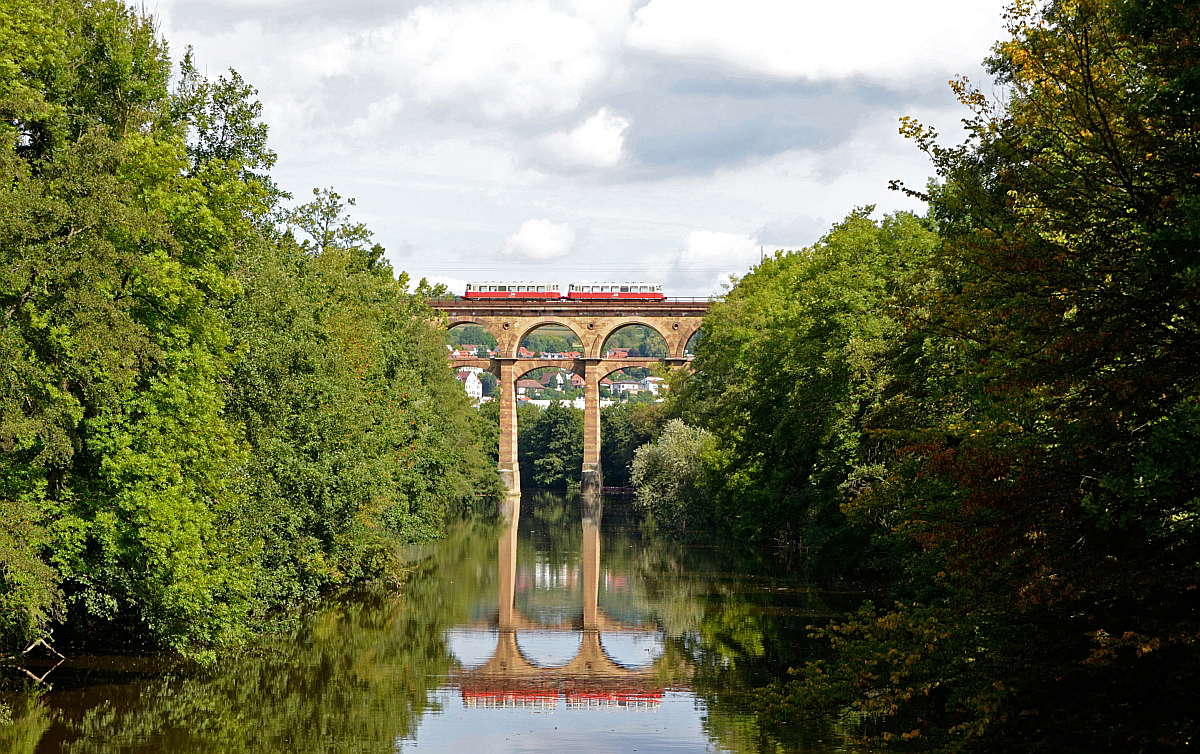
528,387
561,380
633,387
471,384
653,385
555,380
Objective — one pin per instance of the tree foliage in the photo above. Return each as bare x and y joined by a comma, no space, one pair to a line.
199,418
792,362
550,445
625,427
669,472
1033,488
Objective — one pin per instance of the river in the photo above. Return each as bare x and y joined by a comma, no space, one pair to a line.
554,629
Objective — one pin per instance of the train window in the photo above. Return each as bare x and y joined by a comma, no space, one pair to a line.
642,289
541,289
624,289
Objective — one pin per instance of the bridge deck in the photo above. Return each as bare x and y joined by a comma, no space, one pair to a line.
572,308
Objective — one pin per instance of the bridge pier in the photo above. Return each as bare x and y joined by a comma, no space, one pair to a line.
507,464
591,481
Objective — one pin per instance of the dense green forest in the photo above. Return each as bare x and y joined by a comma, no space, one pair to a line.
991,413
210,404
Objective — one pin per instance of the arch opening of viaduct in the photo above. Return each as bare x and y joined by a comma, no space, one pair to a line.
593,322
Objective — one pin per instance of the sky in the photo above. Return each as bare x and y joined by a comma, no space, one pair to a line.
565,141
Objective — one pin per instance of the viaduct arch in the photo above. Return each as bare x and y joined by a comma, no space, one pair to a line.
592,321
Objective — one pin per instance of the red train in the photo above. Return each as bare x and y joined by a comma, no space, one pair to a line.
512,290
574,291
615,290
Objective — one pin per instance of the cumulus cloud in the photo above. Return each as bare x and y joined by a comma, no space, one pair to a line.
540,239
791,232
598,142
455,285
739,117
380,115
516,60
707,258
886,41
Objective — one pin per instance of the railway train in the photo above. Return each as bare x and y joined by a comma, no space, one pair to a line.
541,291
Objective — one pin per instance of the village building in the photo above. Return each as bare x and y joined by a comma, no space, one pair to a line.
471,384
555,380
525,387
653,385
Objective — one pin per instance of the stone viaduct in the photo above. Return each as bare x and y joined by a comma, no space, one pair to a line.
592,322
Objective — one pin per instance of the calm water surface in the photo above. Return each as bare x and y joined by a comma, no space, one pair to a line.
562,627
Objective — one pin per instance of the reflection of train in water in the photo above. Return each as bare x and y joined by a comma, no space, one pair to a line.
574,291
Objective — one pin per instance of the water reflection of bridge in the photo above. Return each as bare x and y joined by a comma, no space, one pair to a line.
591,678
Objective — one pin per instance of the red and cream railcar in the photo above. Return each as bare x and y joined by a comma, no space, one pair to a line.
615,290
512,290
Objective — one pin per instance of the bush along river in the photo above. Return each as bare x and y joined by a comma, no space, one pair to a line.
559,627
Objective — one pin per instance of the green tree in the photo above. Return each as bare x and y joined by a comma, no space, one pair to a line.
471,335
199,418
1050,522
117,258
793,361
550,445
669,473
623,429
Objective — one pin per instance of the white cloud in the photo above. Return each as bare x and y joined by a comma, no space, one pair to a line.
815,39
707,258
379,116
522,59
433,115
540,239
455,285
598,142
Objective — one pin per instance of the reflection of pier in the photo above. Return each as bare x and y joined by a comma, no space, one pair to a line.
591,678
